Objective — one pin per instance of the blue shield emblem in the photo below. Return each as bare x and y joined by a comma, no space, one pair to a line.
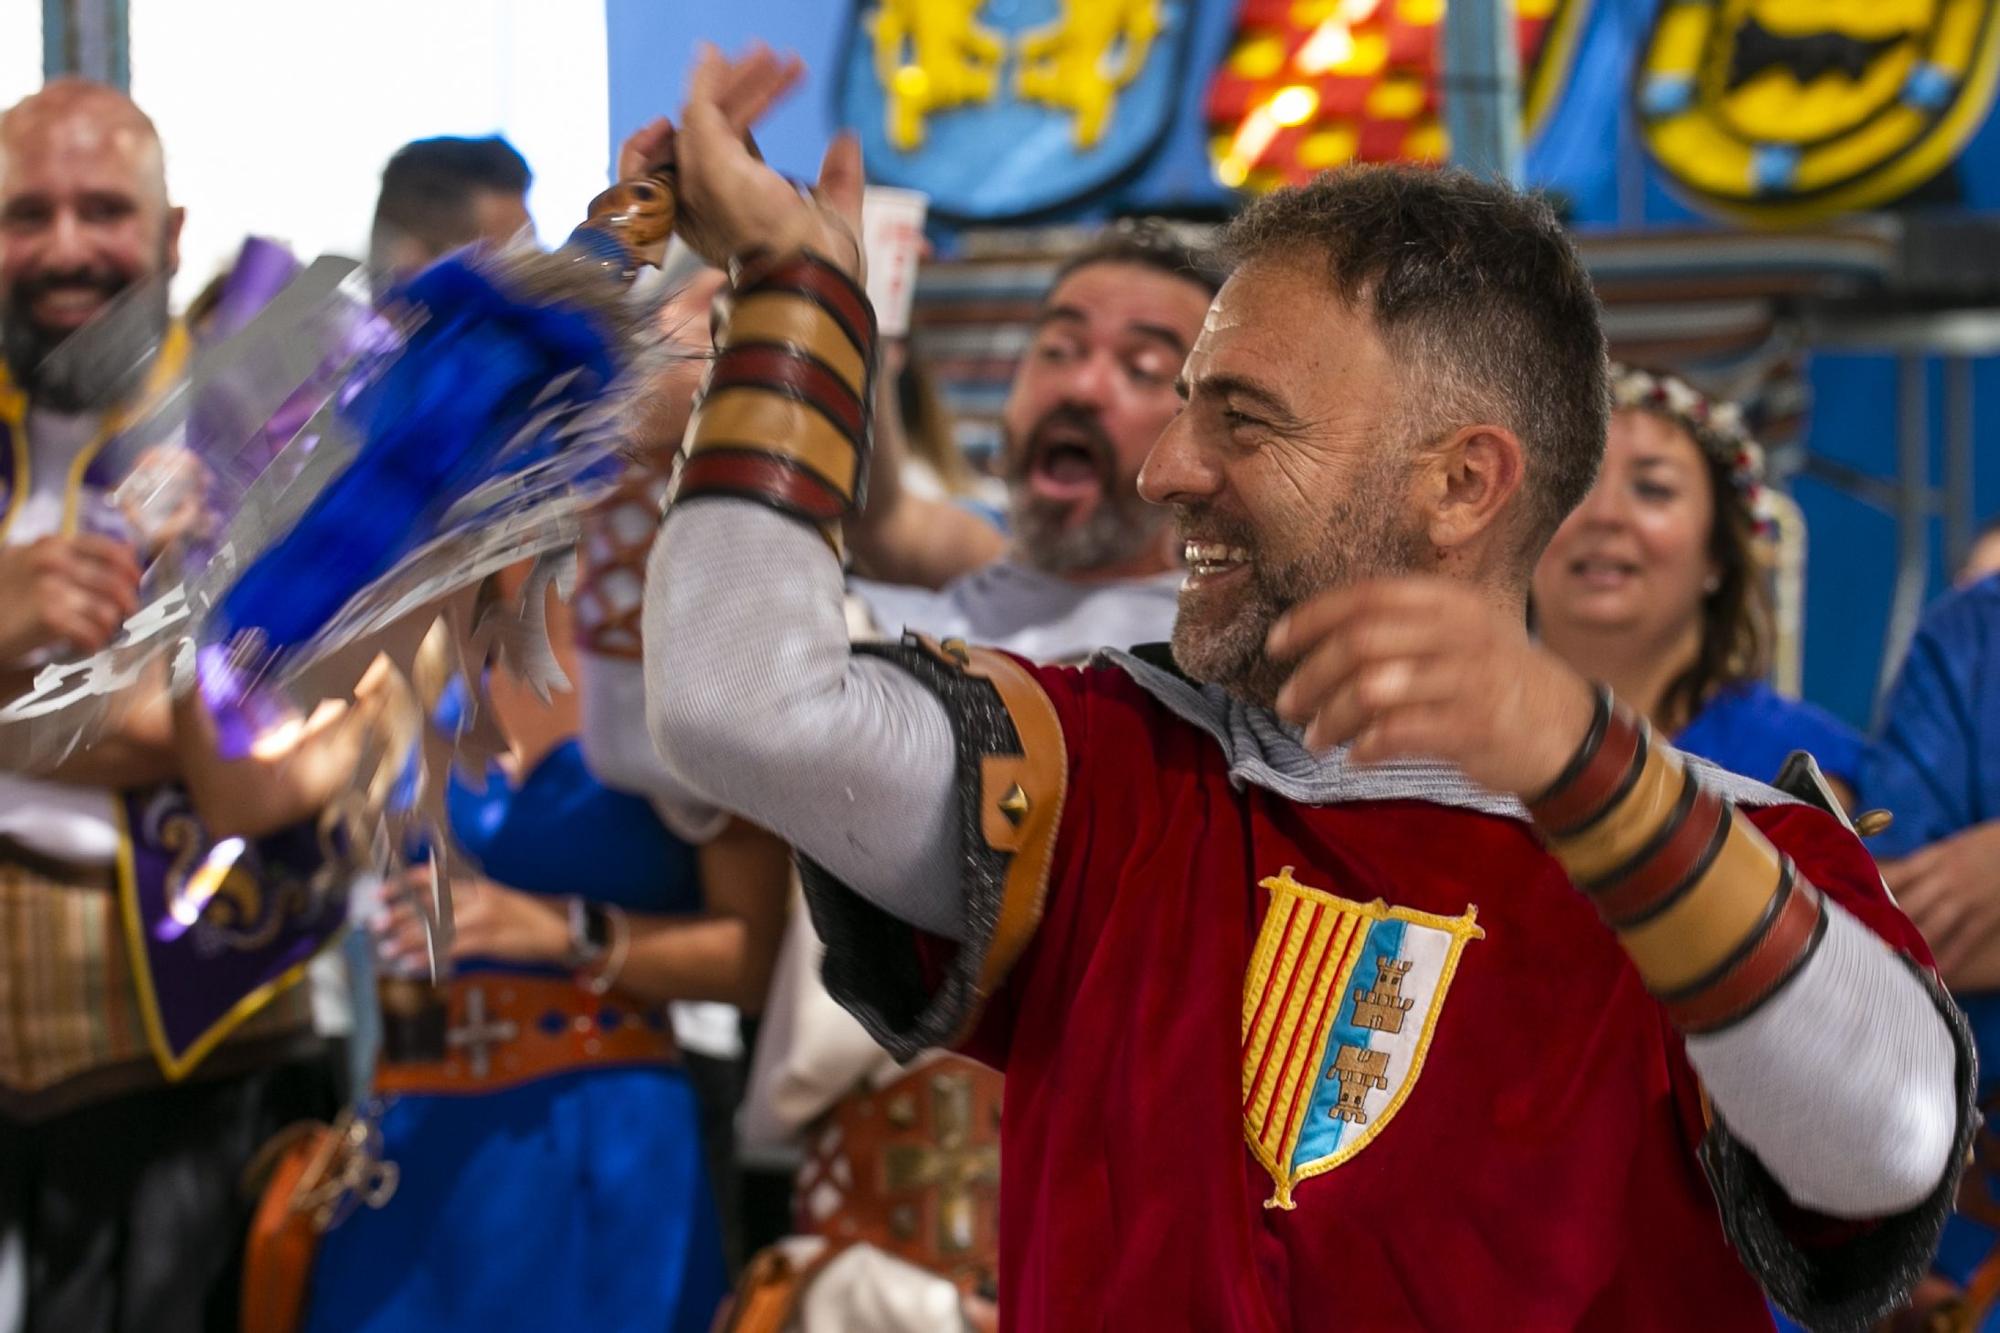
1339,1005
1004,108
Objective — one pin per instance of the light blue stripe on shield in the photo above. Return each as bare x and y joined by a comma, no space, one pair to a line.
1322,1135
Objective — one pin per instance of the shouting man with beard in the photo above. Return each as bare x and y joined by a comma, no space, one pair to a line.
119,1195
1358,964
1088,562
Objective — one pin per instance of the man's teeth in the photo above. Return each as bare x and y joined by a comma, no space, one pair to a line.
1213,557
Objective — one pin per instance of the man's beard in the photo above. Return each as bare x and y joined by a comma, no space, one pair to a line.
1219,634
92,368
1120,527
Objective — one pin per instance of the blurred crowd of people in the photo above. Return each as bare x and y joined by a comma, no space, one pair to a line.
626,1091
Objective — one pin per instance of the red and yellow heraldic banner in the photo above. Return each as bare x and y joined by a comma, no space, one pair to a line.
1312,84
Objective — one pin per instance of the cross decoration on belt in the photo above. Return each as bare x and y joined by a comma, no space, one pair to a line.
951,1164
476,1036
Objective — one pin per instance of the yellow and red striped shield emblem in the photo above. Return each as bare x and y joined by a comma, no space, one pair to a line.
1338,1010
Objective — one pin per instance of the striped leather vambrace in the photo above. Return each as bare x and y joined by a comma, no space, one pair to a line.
783,414
1715,918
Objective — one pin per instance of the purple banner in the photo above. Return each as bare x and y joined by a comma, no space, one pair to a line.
217,927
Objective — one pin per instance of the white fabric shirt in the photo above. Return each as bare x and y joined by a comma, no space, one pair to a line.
54,818
1040,616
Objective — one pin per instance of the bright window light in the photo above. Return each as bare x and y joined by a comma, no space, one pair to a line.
278,117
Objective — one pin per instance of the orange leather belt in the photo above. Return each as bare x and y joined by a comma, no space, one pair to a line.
502,1029
913,1169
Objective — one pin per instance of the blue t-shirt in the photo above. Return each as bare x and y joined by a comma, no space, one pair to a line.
1935,765
1751,729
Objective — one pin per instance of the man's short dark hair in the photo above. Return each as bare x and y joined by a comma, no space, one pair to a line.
1480,297
429,189
1148,243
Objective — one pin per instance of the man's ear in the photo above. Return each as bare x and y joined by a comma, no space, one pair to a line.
176,218
1475,473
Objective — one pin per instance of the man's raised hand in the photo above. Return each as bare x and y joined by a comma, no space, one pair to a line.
732,202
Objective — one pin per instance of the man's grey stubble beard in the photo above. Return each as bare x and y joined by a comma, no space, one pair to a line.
1360,540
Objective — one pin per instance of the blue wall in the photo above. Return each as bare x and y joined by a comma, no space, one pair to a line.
1579,154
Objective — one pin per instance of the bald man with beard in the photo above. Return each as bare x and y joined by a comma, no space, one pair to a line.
119,1196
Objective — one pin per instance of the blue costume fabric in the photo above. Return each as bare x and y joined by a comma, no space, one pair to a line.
1751,729
577,1201
1936,768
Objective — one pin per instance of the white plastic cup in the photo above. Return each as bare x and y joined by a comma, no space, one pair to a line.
892,235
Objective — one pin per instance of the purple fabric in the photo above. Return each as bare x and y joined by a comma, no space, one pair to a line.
265,919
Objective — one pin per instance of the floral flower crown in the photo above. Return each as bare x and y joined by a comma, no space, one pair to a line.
1715,426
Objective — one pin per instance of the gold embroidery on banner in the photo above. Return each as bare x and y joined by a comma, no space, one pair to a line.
1082,61
931,55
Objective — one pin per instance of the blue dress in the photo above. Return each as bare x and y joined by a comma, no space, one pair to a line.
1936,768
577,1201
1751,729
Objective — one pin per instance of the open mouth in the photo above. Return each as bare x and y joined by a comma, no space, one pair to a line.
68,307
1068,462
1598,572
1208,561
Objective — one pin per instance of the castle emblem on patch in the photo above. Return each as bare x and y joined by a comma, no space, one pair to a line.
1782,111
1339,1006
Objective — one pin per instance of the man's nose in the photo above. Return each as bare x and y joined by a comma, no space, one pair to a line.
66,241
1087,381
1176,470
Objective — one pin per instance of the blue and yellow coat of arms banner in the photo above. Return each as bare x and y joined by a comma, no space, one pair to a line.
1008,108
1784,111
1339,1007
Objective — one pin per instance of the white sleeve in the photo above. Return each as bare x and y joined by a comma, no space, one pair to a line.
759,705
619,750
1844,1083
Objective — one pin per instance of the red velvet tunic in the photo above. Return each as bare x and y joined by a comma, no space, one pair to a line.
1411,1082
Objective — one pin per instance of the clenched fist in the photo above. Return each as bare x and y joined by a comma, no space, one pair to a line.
65,590
1429,667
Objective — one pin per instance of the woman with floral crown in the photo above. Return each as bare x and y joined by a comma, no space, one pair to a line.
1655,585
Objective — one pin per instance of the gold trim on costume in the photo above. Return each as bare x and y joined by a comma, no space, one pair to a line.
167,367
176,1068
1289,944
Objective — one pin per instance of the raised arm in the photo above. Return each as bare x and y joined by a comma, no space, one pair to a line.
754,696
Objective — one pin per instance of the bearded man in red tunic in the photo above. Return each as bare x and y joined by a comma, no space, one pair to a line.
1355,963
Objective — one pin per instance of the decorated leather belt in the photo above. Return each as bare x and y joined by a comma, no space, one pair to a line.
490,1031
914,1169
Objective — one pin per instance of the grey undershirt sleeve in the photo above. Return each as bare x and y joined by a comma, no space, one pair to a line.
620,752
757,703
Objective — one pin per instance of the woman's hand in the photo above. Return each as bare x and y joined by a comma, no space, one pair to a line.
489,920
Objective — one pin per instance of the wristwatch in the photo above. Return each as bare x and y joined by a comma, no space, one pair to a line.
589,934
